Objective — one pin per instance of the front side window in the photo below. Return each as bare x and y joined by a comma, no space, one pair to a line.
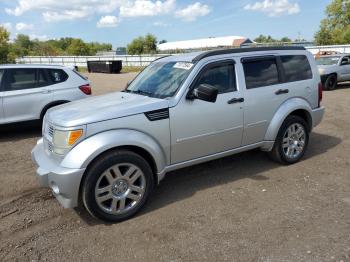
221,76
296,68
160,80
18,79
260,73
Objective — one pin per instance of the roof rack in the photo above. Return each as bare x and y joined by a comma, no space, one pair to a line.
244,50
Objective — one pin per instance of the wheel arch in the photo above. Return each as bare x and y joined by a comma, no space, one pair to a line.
294,106
52,104
89,150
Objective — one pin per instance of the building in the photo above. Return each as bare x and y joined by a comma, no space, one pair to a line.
205,43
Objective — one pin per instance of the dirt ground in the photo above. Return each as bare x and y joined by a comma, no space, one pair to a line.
240,208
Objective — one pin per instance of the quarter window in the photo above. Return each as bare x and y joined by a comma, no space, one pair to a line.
260,73
296,68
18,79
57,75
221,76
1,74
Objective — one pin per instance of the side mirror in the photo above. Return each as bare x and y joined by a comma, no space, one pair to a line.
205,92
345,61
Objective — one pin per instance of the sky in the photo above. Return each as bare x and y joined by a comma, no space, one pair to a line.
119,21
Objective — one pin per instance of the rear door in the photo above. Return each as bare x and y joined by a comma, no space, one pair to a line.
2,119
26,92
270,81
264,94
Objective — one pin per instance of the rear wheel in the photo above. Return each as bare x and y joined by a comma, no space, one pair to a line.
331,82
117,186
291,142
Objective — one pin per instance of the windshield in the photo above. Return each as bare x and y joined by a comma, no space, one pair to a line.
160,80
329,60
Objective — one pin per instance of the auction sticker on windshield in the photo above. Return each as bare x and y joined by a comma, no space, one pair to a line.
183,65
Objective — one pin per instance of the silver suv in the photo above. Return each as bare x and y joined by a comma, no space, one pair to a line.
110,151
28,91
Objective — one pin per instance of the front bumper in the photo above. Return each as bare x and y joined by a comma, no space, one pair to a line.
317,115
64,182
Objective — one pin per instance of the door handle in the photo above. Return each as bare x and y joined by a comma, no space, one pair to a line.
46,91
235,100
282,91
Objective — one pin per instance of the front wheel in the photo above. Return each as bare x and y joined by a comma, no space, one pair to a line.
291,142
117,186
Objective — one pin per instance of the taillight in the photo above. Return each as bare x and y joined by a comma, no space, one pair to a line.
320,93
86,89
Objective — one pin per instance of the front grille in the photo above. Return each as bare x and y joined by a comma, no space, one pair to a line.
50,131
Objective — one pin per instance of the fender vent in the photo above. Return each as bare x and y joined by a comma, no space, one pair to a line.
158,114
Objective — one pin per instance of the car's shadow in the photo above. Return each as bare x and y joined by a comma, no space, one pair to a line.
184,183
19,131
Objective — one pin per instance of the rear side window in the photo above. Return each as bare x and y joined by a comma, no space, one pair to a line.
221,76
18,79
296,68
261,72
57,75
43,78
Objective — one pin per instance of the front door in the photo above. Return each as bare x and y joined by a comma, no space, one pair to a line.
200,128
26,92
344,74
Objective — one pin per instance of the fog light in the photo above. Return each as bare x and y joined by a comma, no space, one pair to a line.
55,188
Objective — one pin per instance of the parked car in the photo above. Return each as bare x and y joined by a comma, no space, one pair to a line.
110,151
334,69
28,91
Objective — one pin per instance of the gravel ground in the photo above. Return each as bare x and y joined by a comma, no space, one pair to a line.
240,208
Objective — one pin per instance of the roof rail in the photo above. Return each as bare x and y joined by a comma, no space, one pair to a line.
244,50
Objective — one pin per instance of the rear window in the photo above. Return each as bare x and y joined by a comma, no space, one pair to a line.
57,75
260,73
296,68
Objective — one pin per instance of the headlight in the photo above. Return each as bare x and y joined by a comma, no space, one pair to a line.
64,140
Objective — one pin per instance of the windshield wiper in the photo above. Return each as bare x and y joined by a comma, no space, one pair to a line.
139,92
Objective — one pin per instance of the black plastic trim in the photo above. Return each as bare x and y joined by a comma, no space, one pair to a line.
157,114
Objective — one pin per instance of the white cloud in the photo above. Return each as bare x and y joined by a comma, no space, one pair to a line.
192,12
39,37
274,7
55,10
160,24
146,8
8,26
108,21
24,27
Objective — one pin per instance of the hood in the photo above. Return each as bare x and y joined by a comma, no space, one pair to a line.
100,108
326,69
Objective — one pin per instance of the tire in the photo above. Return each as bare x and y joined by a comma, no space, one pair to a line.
290,146
331,82
117,186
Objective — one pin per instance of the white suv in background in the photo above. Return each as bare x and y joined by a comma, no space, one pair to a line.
28,91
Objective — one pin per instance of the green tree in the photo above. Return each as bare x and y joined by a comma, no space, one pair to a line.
264,39
286,39
4,45
78,47
143,45
335,28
